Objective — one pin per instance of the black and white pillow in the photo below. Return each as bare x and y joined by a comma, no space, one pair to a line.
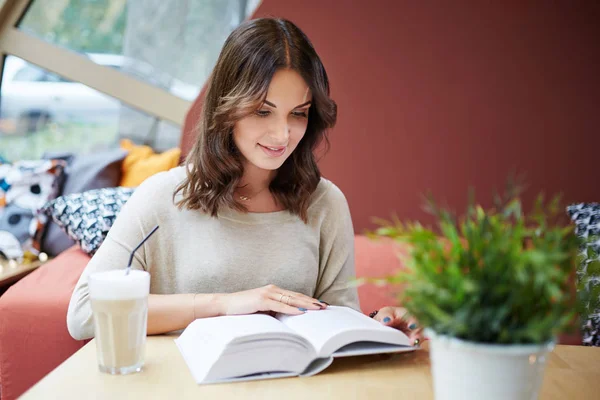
87,217
586,217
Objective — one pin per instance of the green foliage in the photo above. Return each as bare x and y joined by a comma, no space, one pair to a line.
492,276
89,26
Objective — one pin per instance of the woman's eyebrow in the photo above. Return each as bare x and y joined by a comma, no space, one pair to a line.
267,102
303,104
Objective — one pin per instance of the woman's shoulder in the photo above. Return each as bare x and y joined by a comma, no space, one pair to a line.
327,196
160,186
164,180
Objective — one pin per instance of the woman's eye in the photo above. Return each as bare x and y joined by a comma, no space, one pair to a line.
263,113
301,114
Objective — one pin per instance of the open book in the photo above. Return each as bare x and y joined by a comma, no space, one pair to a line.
258,346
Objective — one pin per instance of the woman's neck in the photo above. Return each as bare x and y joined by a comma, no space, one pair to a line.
253,190
256,179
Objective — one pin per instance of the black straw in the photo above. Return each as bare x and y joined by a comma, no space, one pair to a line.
137,247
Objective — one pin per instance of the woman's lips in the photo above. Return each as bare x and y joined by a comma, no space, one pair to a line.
273,151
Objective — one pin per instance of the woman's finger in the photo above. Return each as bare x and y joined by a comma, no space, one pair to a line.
303,297
410,326
398,318
296,299
284,308
385,315
297,302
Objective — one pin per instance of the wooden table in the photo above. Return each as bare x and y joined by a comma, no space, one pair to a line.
10,275
573,372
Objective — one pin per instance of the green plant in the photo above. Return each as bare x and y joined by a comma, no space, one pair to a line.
491,276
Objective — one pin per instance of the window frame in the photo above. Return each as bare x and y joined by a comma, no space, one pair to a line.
79,68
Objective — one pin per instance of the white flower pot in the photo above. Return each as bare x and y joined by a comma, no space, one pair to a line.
467,370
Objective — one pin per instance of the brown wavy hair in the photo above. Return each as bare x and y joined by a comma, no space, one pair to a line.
237,87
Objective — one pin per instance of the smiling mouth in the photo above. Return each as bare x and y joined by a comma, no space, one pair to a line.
273,151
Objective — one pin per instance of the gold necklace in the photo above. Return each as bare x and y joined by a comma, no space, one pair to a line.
246,198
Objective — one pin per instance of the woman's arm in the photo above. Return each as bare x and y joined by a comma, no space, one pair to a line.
171,312
336,253
135,220
168,313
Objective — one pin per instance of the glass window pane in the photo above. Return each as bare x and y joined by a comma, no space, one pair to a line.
28,73
52,114
172,44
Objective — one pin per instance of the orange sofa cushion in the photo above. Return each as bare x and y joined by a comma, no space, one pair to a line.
142,162
33,323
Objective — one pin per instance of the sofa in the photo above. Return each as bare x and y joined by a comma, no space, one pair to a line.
33,331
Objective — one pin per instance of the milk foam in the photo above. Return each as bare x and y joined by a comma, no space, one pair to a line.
115,285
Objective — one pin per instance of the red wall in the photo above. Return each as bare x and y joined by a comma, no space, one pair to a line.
439,96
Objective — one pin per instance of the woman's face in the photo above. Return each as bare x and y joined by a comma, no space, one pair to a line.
267,137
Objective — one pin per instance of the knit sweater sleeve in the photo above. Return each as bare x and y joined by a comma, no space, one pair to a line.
336,252
133,222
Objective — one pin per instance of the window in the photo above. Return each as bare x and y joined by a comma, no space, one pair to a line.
165,50
28,73
41,112
172,44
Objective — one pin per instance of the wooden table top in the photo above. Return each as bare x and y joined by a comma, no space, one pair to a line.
572,372
12,274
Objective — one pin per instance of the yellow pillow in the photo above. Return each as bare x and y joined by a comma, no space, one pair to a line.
142,162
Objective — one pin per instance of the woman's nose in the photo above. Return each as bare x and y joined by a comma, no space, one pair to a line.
281,134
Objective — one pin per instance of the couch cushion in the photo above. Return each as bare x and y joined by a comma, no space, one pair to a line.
84,172
586,217
376,259
87,217
142,162
24,187
33,329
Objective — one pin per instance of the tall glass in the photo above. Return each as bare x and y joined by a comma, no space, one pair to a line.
120,309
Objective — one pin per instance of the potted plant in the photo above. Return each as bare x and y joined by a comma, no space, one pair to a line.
492,290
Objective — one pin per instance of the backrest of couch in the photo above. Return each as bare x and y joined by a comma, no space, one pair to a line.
376,259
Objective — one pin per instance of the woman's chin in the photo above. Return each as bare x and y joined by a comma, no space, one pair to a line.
268,165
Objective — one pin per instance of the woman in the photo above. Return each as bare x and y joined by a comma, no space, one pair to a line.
247,224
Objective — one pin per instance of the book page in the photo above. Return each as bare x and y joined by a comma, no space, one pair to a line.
222,330
205,340
331,329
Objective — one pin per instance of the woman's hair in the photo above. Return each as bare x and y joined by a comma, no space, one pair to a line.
238,86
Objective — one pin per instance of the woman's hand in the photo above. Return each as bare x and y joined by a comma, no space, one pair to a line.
396,318
268,298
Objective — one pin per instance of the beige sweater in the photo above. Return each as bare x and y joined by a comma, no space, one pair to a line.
194,253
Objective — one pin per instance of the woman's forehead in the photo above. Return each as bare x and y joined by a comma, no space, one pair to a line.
288,89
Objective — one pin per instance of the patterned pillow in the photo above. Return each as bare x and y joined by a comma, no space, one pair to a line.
87,217
25,186
587,220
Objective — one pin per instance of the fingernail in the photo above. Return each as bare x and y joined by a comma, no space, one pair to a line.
302,309
386,320
324,302
412,326
319,305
